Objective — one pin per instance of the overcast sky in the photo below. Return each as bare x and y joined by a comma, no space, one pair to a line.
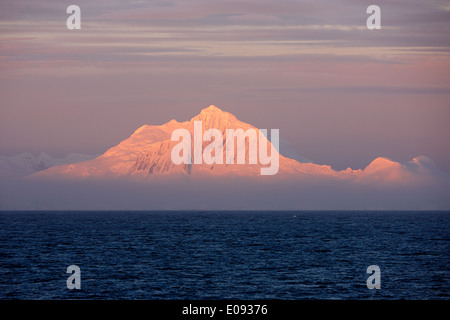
339,93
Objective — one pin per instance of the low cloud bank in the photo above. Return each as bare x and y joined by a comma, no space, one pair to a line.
228,194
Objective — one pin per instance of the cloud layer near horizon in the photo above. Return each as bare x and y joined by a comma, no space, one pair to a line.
231,194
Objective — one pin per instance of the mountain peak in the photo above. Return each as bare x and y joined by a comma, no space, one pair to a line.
211,108
382,162
213,111
213,117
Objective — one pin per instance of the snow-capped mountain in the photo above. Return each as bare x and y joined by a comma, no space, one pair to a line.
147,154
419,169
25,164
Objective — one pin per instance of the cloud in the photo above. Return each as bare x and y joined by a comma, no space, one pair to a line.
227,28
218,195
382,90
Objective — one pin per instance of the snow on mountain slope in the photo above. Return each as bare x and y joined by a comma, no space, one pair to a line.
26,163
383,170
147,154
156,160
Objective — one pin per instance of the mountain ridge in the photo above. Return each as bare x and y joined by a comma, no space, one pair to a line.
146,153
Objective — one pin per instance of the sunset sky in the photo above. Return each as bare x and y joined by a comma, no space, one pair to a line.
339,93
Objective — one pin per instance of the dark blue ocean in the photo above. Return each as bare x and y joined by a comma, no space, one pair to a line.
225,255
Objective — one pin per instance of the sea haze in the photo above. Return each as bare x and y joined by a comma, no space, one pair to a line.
224,254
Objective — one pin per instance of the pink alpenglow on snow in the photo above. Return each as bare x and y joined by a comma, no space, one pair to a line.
247,145
223,146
